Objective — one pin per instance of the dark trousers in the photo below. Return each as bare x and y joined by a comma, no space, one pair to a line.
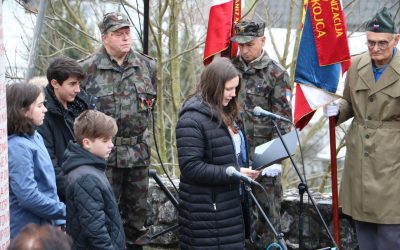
130,186
373,236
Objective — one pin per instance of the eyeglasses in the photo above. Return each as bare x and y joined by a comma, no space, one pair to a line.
381,44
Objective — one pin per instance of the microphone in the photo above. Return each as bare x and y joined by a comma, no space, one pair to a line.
258,111
231,171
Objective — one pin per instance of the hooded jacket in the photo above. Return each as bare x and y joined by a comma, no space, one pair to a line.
93,218
210,210
57,129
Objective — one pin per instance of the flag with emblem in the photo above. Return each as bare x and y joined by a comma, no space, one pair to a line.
323,55
224,14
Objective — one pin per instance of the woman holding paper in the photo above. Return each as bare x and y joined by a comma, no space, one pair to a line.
209,140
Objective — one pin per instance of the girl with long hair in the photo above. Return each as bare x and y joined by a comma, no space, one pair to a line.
33,192
210,139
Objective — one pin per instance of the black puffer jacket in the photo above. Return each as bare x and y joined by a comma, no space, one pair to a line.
210,214
57,129
93,218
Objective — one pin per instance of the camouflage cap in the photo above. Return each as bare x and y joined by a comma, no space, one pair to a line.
113,21
247,31
382,22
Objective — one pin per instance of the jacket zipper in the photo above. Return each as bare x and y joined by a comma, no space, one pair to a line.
213,200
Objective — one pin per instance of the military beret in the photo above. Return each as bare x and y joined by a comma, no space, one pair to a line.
247,31
113,21
382,22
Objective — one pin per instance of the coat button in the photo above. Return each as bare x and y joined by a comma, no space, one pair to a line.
369,118
367,136
371,99
366,154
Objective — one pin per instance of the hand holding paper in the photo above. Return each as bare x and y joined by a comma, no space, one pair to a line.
253,174
272,171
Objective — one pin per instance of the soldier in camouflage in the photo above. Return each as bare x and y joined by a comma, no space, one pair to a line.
266,84
125,83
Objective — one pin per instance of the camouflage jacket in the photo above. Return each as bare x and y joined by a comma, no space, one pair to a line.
266,84
126,93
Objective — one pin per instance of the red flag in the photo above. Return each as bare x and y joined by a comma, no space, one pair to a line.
224,14
330,33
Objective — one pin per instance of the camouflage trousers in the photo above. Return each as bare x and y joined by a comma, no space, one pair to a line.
271,203
130,186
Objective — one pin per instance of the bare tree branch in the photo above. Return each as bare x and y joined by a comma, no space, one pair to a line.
249,11
74,17
64,38
183,52
288,33
59,19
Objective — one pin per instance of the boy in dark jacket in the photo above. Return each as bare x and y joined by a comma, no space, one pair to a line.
93,218
64,102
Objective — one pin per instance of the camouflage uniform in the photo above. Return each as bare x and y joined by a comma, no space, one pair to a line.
266,84
127,93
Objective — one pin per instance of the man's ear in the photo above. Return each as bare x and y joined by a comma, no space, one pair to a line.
263,40
54,83
103,37
396,39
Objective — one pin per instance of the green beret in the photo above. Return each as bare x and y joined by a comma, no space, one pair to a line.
382,22
247,31
113,21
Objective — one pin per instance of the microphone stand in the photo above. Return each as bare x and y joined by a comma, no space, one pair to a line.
146,239
302,189
153,174
278,236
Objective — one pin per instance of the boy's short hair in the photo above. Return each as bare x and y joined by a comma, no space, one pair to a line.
61,68
45,237
94,124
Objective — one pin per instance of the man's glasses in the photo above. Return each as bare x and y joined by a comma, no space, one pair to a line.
381,44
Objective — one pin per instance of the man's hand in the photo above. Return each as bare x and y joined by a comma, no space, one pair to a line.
331,109
272,171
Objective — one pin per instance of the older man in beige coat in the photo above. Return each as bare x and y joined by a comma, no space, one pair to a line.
371,178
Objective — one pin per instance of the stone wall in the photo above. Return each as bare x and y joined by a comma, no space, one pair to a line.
162,215
314,233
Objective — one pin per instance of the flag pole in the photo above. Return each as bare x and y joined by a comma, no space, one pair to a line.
335,203
236,14
228,51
